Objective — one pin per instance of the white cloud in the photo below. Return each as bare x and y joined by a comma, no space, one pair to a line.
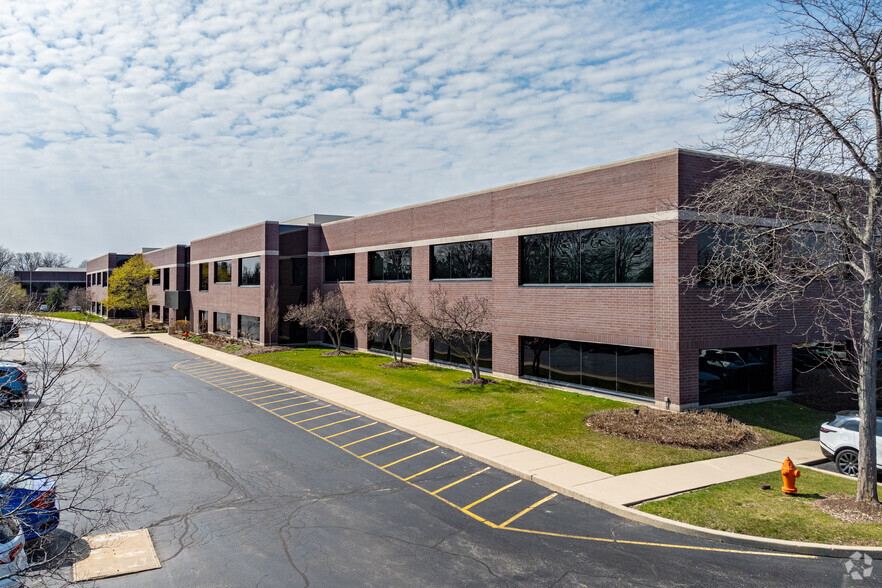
143,123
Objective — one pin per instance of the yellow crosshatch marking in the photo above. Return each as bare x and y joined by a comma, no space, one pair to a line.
295,404
228,378
408,457
181,366
321,416
270,396
282,400
350,430
334,423
266,388
284,416
427,470
385,448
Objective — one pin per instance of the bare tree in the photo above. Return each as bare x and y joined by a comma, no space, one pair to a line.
779,243
389,315
271,314
463,324
326,312
31,260
7,260
68,429
81,297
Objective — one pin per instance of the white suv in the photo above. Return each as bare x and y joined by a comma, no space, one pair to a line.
839,441
12,554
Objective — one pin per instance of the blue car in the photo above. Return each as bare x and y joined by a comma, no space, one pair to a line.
13,383
31,499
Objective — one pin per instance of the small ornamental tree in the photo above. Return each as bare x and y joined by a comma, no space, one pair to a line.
327,312
389,315
271,314
127,288
463,324
56,297
80,297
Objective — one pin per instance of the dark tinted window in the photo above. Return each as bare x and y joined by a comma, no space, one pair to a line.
456,261
203,277
249,271
735,373
734,255
249,327
340,268
299,271
440,351
166,279
391,264
222,323
628,370
223,271
609,255
378,340
347,339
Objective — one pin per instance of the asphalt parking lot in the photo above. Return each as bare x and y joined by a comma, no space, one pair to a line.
245,483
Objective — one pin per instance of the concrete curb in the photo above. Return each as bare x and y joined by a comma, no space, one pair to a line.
357,403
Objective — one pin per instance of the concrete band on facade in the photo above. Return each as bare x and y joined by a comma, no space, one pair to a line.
661,316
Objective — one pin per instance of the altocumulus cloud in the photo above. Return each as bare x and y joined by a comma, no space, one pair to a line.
127,123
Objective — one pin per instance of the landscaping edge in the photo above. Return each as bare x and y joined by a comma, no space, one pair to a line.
781,545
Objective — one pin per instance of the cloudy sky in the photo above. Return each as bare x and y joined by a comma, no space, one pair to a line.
129,123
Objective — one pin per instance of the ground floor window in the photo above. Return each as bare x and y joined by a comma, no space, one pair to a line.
627,370
203,321
249,327
222,323
440,351
378,340
347,339
734,373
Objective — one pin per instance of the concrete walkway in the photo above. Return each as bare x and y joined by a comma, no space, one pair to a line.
565,477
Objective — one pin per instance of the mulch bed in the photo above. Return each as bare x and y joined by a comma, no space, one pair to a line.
477,381
690,430
397,364
846,508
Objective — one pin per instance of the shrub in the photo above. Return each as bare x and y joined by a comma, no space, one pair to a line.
179,327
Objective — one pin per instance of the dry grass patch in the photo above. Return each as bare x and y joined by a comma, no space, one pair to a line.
846,508
690,430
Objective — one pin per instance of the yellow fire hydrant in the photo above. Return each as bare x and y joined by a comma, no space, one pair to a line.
789,473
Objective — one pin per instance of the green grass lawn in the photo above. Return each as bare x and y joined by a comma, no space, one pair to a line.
742,507
75,316
542,418
780,421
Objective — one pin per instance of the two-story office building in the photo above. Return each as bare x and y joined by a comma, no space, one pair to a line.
583,270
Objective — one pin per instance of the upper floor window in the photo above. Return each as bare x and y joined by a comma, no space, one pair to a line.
730,255
390,264
223,271
459,261
608,255
249,271
339,268
203,277
166,278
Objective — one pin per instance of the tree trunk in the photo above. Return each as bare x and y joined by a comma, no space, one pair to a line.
867,377
391,338
141,316
337,339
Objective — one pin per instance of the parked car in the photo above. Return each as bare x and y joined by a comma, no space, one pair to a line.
839,441
12,554
31,499
13,383
43,308
76,309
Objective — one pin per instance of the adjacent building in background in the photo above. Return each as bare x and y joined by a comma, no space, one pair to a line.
584,271
38,282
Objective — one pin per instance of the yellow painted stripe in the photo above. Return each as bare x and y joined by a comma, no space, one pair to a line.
451,485
265,388
528,509
426,471
514,529
334,423
265,397
321,416
211,370
350,430
282,400
290,405
408,457
232,378
251,385
284,416
673,546
366,438
385,448
492,494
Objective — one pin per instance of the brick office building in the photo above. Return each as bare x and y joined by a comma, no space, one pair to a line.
584,271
